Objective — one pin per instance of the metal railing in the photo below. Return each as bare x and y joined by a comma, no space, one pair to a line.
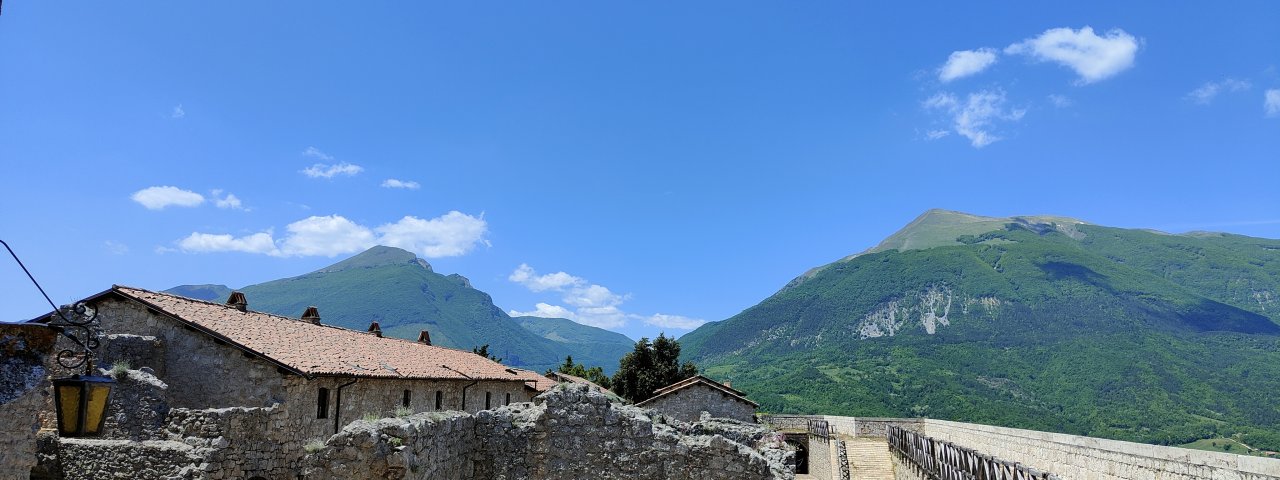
942,460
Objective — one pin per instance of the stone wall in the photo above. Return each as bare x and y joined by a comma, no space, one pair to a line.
24,388
870,426
200,372
1077,457
821,454
570,433
687,404
97,459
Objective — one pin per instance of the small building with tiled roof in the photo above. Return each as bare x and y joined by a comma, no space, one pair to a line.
215,355
687,399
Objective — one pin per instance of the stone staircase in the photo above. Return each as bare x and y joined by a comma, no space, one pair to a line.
869,459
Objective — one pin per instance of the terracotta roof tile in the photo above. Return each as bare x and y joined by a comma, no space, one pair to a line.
322,349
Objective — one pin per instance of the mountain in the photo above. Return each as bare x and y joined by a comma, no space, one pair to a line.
1046,323
592,342
401,292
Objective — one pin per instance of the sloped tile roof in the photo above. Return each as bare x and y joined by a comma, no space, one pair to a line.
698,380
534,380
315,350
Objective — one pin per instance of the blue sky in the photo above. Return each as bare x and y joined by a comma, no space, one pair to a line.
641,166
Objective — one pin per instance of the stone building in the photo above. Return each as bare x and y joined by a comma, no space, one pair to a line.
687,399
311,379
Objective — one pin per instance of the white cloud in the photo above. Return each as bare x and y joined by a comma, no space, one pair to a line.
1092,57
525,275
936,134
546,310
315,152
230,201
406,184
327,170
207,243
327,236
673,321
449,235
1271,102
1060,101
321,170
157,198
964,63
591,304
1207,92
178,112
976,117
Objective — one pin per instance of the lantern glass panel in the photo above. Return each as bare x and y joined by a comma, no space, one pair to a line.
69,408
96,407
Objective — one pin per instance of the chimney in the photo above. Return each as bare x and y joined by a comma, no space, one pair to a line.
237,300
424,338
312,315
375,329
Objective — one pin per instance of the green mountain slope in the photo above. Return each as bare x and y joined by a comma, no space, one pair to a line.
400,291
598,347
1034,322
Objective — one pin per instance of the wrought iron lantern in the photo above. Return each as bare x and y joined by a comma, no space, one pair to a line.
80,400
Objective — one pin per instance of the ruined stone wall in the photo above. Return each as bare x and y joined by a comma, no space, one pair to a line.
97,459
568,433
1077,457
688,403
24,388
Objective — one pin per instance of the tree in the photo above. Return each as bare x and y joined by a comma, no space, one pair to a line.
483,351
594,374
650,366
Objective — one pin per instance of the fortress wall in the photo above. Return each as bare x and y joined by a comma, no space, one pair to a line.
821,454
1078,457
24,387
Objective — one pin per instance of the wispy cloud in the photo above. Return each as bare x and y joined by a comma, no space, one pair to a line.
316,153
1271,102
1210,90
977,116
449,235
116,248
160,197
178,112
964,63
1091,56
1060,101
405,184
936,134
230,201
321,170
328,170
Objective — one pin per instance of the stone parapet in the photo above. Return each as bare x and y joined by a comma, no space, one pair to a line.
24,389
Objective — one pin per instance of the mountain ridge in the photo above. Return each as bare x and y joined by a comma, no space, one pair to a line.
1042,323
403,293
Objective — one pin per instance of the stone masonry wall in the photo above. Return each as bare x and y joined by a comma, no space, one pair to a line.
1076,457
821,453
24,386
688,403
568,433
200,372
